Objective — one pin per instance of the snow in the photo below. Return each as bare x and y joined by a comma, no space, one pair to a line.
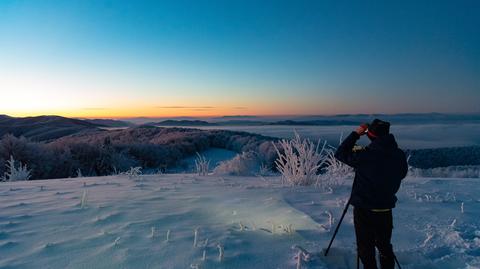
119,222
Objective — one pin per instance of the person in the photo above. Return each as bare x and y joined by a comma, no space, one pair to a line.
379,169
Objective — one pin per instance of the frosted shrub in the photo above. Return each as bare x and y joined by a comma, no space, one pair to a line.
220,252
15,173
334,172
265,170
302,255
152,232
195,237
244,164
202,165
299,160
133,172
83,201
168,236
330,218
79,173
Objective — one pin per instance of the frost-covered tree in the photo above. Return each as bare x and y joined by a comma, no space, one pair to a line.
299,160
16,172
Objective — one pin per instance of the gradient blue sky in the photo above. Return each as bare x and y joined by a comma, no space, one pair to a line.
166,58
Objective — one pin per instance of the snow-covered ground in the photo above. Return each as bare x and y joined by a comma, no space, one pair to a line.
121,222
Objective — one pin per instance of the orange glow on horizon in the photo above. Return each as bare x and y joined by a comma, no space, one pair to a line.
100,104
173,111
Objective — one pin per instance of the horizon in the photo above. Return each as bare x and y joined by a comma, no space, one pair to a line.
171,59
258,117
91,117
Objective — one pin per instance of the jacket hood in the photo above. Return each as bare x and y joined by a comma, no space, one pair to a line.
384,143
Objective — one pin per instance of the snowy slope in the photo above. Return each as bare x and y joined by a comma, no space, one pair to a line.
122,223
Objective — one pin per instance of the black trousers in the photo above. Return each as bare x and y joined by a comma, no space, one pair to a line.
374,229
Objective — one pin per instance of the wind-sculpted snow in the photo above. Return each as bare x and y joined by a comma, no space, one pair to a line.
122,222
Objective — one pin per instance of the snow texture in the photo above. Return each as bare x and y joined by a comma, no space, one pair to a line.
191,221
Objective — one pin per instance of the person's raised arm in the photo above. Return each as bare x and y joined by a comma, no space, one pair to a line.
345,152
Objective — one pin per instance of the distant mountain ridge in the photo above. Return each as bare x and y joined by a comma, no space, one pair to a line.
109,122
193,123
334,120
182,123
339,119
314,122
43,128
401,118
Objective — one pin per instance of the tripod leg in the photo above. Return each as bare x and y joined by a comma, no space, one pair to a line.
358,260
396,260
338,226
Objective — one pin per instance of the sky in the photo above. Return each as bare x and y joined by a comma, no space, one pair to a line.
205,58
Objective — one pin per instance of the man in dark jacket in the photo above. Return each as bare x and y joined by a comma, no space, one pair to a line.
379,169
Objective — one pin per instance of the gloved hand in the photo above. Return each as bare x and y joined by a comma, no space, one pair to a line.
362,129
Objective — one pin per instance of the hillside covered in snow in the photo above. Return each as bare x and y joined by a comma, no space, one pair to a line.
102,152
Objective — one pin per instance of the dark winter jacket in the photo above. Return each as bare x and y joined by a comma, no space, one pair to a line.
379,169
